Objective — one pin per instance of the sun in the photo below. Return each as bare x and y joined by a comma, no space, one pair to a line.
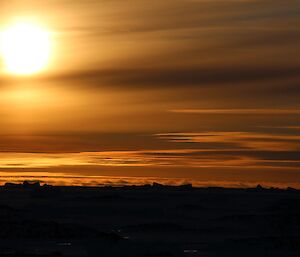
24,48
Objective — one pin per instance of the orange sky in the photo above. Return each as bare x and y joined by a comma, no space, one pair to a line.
194,90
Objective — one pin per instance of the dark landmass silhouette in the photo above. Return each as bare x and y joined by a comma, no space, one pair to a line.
151,220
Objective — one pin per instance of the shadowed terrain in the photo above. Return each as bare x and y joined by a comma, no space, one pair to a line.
151,220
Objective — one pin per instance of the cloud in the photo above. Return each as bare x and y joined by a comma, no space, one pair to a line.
235,150
239,111
239,140
122,65
179,77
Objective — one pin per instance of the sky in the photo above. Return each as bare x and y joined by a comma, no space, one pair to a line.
176,91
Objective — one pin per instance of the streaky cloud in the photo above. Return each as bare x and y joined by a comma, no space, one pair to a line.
239,111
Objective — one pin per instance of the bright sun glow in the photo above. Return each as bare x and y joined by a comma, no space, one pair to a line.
25,48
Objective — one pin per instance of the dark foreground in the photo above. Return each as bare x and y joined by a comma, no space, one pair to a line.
152,221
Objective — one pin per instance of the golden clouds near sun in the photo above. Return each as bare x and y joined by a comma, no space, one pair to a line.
25,48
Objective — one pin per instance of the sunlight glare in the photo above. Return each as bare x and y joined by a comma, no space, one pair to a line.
25,48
